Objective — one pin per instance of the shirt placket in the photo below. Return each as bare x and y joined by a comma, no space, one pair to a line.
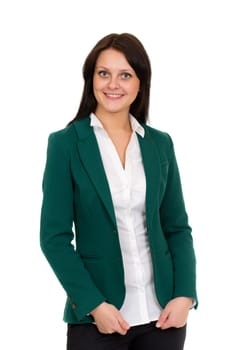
137,263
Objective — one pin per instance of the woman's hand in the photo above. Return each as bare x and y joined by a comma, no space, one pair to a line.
175,313
109,320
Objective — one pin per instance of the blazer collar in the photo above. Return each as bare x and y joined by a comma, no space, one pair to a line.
151,162
90,156
91,159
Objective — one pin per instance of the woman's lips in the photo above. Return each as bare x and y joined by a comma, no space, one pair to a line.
113,96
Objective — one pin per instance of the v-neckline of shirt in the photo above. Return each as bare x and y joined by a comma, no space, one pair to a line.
124,167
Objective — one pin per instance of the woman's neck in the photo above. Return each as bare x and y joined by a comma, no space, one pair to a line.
114,121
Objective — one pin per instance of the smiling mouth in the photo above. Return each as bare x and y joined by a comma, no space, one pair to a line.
111,95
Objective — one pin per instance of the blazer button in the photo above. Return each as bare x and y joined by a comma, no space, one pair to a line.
74,306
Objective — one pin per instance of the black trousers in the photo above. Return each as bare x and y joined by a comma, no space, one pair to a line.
143,337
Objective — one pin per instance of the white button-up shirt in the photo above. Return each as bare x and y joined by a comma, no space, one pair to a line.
128,191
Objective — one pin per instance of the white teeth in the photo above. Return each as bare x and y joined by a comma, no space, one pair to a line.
114,95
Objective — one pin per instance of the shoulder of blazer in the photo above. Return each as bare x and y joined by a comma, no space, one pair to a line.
157,135
68,136
161,139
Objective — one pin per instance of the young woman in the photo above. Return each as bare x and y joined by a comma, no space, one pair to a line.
130,274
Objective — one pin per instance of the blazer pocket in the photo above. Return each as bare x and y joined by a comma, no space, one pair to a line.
90,257
108,276
164,165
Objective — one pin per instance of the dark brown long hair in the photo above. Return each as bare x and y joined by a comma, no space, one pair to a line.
137,58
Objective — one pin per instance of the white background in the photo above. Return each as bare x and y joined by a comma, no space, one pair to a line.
43,46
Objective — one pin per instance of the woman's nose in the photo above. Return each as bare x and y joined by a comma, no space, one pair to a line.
113,82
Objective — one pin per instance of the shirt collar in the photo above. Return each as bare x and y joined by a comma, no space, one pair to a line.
135,125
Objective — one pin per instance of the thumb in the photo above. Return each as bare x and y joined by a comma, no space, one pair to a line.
123,324
162,318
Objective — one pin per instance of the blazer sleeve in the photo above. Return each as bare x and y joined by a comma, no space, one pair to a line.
174,221
56,232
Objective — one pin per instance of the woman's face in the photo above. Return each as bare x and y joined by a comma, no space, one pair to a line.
115,83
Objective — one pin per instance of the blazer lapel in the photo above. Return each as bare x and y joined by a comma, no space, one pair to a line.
151,162
90,156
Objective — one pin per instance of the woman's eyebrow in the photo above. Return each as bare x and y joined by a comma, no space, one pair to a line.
120,70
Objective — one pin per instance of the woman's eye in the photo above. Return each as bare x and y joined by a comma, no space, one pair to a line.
126,75
103,73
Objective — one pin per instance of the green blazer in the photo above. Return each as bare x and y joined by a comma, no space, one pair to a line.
78,232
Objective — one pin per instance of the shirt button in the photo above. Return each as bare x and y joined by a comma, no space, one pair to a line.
74,306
